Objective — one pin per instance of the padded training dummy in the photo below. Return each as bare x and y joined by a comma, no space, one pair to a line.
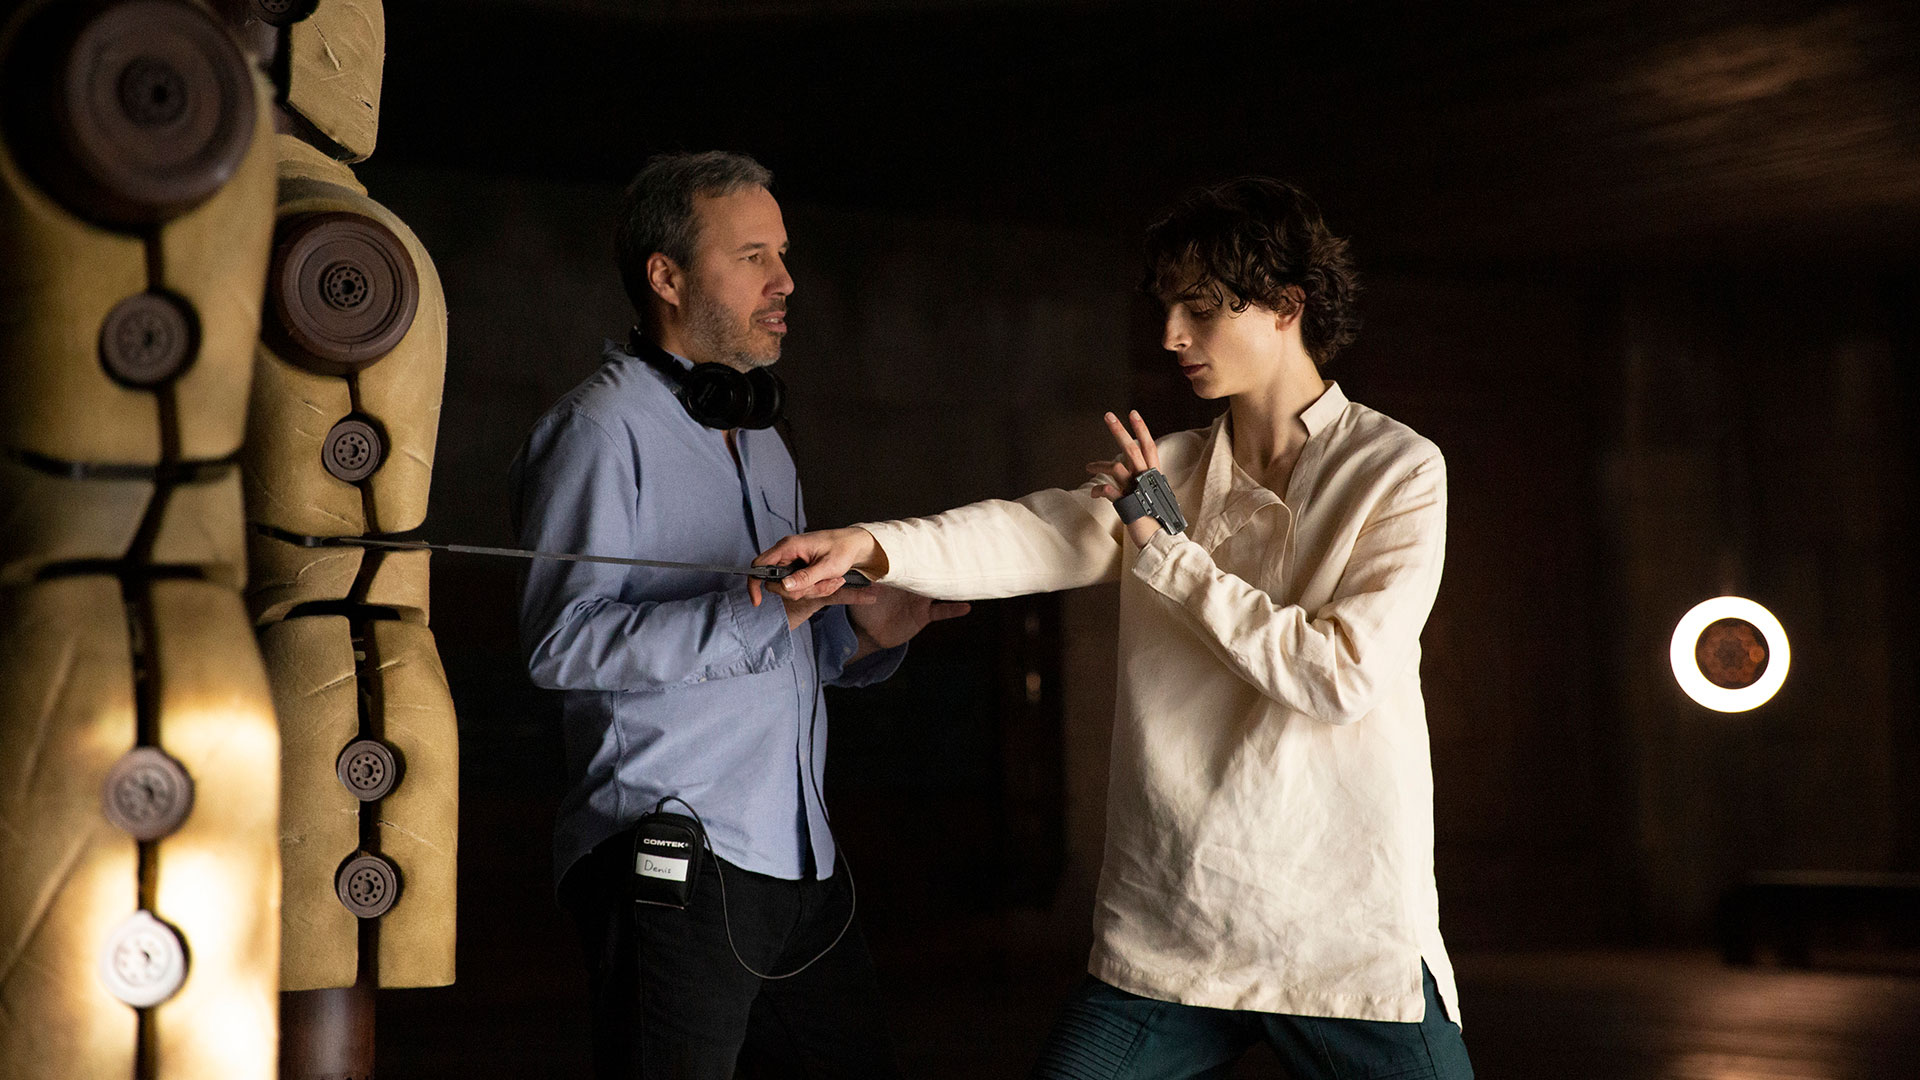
139,854
340,440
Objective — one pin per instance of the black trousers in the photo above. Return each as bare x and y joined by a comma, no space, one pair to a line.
671,1001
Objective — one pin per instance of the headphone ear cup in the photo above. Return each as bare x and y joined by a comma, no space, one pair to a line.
769,399
716,395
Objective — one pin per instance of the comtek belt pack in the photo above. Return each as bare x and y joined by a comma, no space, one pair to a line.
667,852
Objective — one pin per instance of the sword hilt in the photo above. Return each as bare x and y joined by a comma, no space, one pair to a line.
854,579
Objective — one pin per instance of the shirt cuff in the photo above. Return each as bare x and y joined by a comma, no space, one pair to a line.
884,533
1158,564
836,641
875,667
764,638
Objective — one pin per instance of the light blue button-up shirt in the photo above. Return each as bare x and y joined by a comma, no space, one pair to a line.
674,683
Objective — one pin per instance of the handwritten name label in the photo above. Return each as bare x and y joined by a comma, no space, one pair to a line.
647,864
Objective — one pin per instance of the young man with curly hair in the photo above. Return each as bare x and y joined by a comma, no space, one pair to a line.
1268,874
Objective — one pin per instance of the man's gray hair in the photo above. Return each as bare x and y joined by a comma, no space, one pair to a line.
656,212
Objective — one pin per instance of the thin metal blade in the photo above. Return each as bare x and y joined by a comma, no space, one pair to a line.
854,578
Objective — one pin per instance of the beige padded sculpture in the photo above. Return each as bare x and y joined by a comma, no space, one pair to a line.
203,524
291,489
295,409
139,855
217,878
419,820
60,278
338,54
311,664
66,717
69,713
47,519
290,417
342,425
282,575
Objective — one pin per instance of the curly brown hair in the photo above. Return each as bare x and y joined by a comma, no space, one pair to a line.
1253,240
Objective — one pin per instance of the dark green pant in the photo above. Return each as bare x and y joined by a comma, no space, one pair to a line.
1108,1034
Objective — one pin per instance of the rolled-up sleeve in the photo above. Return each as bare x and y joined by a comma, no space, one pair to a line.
1333,663
579,628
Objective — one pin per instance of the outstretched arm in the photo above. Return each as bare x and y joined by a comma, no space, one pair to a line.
1047,541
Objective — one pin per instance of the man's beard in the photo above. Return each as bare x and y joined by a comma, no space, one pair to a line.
717,332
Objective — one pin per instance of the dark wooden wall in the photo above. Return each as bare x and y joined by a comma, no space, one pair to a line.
1645,273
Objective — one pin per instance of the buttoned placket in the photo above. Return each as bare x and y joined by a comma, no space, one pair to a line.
1317,417
1239,499
803,708
1295,499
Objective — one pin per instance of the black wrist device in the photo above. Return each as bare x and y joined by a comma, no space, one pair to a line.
1151,497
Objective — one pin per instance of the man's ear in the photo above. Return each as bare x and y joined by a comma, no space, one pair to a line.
1294,305
666,279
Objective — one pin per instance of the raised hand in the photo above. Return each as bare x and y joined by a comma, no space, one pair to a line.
1137,454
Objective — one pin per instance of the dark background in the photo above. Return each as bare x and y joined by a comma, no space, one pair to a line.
1645,272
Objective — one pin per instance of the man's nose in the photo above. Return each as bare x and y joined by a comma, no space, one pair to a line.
1174,336
781,282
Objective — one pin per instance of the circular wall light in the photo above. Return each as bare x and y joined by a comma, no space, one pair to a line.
1730,654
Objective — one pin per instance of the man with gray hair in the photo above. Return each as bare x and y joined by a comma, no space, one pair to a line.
735,945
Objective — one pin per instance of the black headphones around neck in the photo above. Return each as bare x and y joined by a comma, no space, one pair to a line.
716,395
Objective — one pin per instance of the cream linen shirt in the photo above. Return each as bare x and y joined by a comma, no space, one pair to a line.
1270,806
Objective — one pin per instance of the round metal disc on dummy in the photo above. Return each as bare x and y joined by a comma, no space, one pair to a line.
342,291
128,113
148,338
147,794
144,962
367,885
353,450
280,12
368,769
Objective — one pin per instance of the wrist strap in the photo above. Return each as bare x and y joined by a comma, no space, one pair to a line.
1131,507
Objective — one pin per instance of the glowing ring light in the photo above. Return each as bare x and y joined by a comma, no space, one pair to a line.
1686,661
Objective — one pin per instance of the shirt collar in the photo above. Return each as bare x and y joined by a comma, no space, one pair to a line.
1228,496
1324,410
631,348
